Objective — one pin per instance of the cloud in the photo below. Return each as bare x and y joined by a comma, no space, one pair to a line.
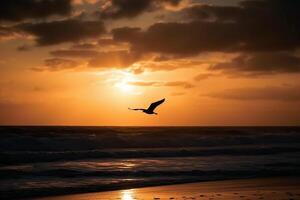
17,10
136,70
261,63
124,59
117,9
113,59
84,45
202,37
24,47
253,27
144,83
125,8
57,64
78,2
182,84
282,93
104,43
75,53
7,33
109,42
261,26
56,32
211,12
206,37
204,76
101,59
169,65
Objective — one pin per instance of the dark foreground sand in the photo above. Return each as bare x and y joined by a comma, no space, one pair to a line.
284,188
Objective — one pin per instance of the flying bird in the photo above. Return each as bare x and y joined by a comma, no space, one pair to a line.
151,108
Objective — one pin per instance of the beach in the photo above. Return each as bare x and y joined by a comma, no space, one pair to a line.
281,188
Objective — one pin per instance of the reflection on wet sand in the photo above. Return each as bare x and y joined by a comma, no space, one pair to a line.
127,195
283,188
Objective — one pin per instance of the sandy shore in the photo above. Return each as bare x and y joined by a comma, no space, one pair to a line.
284,188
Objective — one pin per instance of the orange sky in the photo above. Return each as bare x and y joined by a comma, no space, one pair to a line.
86,62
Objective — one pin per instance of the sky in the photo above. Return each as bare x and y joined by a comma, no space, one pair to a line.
84,62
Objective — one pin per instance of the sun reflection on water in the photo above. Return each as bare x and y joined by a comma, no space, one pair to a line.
127,195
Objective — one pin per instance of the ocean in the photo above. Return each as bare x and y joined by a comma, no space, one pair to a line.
43,161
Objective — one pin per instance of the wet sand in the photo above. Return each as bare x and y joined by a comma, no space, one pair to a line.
284,188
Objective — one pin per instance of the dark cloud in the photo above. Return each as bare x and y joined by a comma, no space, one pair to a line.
182,39
198,36
84,46
24,47
172,2
183,84
131,8
56,32
261,63
253,27
102,42
74,53
212,12
125,8
109,42
282,93
126,34
57,64
262,24
106,41
17,10
5,33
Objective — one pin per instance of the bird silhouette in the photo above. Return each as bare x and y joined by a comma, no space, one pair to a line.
151,108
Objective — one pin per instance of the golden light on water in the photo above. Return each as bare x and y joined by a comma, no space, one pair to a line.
127,195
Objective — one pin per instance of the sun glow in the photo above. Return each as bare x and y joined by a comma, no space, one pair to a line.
123,85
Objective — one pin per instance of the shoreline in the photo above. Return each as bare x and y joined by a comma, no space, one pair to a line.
256,188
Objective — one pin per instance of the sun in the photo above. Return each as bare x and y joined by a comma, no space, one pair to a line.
123,82
124,87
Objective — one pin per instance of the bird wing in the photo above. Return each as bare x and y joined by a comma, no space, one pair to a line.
136,109
155,104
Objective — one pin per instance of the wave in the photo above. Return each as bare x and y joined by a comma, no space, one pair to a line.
42,161
9,158
23,193
122,174
149,179
91,138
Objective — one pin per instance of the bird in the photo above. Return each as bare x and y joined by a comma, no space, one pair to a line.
151,108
